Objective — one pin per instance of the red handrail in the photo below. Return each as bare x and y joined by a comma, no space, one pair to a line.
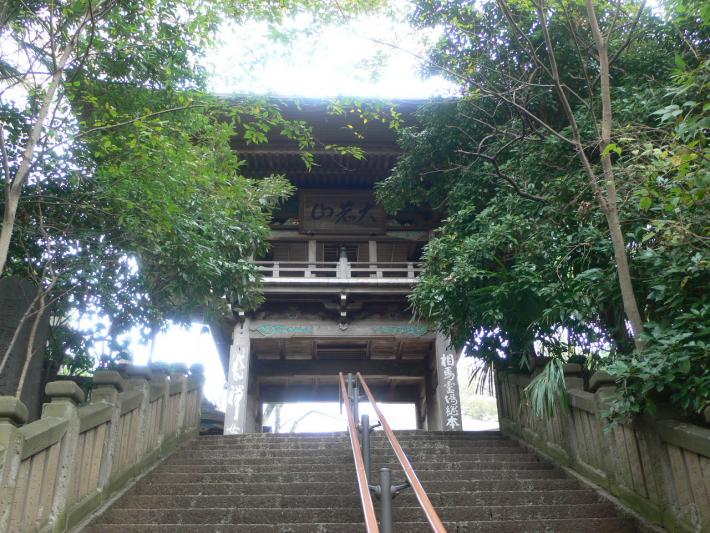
368,508
429,511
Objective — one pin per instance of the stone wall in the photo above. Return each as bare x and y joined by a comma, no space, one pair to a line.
658,466
58,469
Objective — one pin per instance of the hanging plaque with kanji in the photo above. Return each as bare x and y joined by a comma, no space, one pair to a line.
341,211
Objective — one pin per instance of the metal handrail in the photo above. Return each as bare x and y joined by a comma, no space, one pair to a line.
368,508
431,515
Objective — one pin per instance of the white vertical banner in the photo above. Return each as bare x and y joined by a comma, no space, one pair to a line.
237,381
448,385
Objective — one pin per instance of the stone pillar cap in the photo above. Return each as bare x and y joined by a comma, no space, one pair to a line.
601,379
108,378
64,390
159,368
135,371
177,376
13,410
178,368
572,369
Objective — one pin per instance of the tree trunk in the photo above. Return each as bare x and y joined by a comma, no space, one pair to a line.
28,313
8,225
13,188
30,344
609,203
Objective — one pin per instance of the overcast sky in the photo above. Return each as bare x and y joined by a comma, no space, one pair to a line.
348,60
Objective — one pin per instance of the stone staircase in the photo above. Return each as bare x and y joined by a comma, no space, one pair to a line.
477,481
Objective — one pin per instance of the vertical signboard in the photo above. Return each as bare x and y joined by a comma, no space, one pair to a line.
448,386
235,417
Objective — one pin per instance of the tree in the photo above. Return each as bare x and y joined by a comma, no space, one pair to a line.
117,165
542,251
154,44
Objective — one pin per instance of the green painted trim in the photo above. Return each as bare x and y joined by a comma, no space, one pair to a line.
269,330
687,436
416,330
130,401
93,415
41,434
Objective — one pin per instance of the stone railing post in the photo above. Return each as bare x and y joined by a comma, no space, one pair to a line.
160,379
180,376
138,378
573,376
13,413
109,384
603,386
64,397
197,373
573,381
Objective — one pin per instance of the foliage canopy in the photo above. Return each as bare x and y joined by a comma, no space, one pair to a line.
523,266
123,197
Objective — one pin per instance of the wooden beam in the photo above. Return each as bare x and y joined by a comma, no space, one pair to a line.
270,393
295,367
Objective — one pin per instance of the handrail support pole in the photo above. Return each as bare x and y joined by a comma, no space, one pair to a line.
350,386
354,396
355,399
365,442
385,500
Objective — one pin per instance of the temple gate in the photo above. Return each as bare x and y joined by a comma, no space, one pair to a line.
336,282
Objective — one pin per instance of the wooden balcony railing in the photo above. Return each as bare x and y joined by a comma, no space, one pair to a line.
342,269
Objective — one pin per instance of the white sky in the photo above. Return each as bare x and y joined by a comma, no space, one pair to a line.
336,62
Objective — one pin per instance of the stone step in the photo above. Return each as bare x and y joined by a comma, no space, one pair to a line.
407,499
400,434
348,487
588,525
277,515
290,477
470,458
344,453
376,436
343,469
319,444
478,482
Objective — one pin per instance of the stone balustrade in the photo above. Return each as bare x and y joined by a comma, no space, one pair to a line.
658,466
57,470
